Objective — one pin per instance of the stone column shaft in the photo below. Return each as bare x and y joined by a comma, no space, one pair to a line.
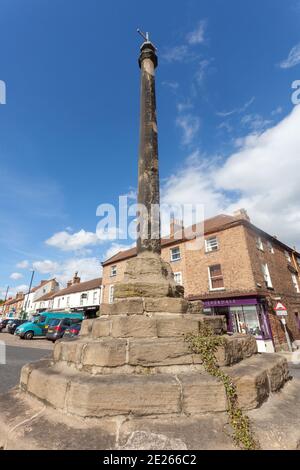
148,182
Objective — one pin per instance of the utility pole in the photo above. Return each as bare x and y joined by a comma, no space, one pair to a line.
27,300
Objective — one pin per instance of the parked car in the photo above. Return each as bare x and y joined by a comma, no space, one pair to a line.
73,331
12,325
58,327
39,326
3,323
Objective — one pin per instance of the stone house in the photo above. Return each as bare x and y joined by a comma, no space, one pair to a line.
238,271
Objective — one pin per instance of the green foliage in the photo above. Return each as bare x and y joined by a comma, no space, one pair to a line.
206,343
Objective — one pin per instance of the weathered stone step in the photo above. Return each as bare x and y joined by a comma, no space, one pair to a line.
150,326
257,377
86,395
110,352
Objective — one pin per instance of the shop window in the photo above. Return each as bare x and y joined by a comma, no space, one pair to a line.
175,254
113,271
245,320
111,295
215,277
287,255
259,244
211,244
295,282
270,247
178,278
267,276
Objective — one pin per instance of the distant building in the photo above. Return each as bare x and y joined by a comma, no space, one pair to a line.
44,288
13,307
78,296
241,272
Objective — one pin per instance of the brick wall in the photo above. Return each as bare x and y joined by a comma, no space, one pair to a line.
283,287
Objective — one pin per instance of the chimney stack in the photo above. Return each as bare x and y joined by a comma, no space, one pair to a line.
241,214
76,279
176,226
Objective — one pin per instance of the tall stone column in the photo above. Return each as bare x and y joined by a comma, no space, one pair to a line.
148,275
148,183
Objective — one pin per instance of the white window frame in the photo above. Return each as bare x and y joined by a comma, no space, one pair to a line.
171,254
267,276
211,247
113,270
111,294
295,282
288,256
211,288
270,247
68,301
179,274
95,297
259,244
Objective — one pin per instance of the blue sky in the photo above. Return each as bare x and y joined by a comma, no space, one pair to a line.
69,129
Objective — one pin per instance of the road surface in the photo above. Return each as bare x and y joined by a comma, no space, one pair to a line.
18,353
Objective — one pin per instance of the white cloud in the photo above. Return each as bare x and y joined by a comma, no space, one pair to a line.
255,122
171,84
190,125
16,276
116,248
87,267
293,58
202,70
45,267
177,54
278,110
197,36
23,264
236,110
66,241
260,176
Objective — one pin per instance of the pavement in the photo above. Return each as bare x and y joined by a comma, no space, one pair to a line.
18,353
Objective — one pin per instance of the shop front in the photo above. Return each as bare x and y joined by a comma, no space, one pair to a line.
244,316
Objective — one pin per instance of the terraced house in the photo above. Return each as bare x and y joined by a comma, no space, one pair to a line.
240,272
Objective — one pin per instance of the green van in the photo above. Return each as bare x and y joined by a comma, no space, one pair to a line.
39,326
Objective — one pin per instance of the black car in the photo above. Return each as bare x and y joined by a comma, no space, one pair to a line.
57,327
12,326
73,331
3,323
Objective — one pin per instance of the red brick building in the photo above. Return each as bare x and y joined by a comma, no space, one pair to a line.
240,271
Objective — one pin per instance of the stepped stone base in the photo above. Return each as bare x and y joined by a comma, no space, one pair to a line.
27,424
131,381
